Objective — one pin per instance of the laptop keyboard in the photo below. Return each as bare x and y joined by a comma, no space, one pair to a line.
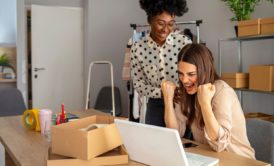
194,159
194,163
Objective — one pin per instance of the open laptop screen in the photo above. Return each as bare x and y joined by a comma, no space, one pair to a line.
153,145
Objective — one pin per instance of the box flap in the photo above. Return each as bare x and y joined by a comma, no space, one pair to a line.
267,20
66,139
87,121
104,119
102,140
234,75
249,22
76,125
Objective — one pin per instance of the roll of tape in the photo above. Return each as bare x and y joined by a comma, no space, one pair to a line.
31,119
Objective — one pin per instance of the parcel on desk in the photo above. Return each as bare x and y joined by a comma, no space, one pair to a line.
68,140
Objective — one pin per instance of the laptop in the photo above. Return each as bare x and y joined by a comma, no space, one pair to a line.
158,146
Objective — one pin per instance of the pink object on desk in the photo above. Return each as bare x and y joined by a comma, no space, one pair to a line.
45,117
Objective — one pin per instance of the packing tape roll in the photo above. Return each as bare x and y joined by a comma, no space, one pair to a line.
31,119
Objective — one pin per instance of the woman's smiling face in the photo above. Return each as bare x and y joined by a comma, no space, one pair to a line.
188,77
161,26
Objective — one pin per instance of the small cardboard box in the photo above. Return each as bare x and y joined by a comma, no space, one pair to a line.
69,140
236,80
267,26
116,156
249,27
261,77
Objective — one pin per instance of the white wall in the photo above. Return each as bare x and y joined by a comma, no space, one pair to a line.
108,33
72,3
8,21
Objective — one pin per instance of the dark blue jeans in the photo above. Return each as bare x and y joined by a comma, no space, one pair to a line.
155,112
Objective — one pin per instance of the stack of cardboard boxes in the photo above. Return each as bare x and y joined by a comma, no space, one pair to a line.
73,146
260,77
260,26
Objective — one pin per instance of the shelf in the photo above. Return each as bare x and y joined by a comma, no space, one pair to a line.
239,41
246,38
256,91
7,80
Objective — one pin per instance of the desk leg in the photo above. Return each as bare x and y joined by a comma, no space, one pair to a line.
8,160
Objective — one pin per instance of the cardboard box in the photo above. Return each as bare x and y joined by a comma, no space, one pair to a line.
236,80
69,140
267,26
259,115
249,27
261,77
116,156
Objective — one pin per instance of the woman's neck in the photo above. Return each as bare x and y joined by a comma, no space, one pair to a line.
157,41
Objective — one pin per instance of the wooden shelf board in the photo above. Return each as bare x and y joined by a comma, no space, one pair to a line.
7,80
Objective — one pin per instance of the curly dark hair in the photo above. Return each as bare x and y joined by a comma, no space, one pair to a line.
156,7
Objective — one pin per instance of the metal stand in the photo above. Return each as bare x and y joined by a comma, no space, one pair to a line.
112,83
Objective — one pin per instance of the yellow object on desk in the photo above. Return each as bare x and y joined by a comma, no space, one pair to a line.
31,119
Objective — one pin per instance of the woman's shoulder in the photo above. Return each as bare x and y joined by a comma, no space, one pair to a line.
224,92
221,85
140,42
179,36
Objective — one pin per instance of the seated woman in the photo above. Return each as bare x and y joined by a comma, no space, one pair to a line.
205,104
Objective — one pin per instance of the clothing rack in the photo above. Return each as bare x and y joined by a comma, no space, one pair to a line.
195,22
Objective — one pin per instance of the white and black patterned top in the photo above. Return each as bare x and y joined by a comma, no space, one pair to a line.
152,63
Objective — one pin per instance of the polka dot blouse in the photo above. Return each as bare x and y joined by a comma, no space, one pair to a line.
151,63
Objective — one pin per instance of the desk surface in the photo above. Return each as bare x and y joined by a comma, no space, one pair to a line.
30,148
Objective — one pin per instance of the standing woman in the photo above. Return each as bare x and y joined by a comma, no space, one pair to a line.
206,104
154,57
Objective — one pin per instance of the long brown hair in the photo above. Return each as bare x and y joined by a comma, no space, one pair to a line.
200,56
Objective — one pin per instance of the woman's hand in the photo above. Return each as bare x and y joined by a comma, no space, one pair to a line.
168,89
205,93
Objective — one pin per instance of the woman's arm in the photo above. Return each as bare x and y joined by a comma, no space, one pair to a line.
205,95
140,79
168,89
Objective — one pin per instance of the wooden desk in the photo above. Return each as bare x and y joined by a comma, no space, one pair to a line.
29,148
